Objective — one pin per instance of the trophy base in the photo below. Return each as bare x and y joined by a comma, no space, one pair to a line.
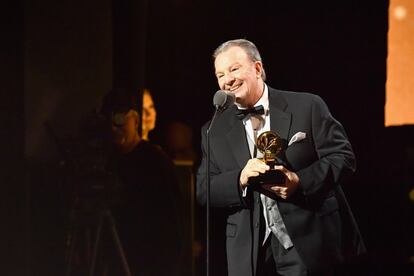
265,181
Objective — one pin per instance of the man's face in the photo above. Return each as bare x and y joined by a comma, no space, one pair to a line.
149,114
238,74
125,129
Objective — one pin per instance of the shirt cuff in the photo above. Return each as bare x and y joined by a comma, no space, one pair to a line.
244,191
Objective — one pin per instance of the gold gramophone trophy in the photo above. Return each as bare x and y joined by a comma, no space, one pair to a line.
270,144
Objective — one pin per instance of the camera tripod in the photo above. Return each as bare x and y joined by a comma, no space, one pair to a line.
105,218
89,212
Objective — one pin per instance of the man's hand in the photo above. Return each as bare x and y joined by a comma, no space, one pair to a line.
290,185
253,168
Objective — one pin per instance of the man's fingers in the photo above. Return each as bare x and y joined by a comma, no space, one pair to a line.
253,168
280,168
252,173
279,188
280,191
257,165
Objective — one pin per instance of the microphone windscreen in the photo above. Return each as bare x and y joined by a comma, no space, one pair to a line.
219,98
223,99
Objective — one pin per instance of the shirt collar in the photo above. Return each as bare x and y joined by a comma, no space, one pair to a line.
264,100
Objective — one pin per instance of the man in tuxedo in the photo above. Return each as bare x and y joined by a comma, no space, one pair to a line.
302,226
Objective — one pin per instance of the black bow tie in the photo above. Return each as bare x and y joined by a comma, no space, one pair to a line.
242,113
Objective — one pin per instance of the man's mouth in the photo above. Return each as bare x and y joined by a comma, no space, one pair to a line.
234,88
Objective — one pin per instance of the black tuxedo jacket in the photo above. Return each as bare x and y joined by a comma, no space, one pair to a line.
317,216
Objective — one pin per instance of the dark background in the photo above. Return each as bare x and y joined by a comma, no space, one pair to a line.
61,57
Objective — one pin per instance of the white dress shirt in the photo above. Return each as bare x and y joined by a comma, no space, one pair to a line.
273,224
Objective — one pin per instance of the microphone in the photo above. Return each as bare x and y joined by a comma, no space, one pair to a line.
223,99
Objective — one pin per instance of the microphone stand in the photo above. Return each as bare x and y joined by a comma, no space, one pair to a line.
208,192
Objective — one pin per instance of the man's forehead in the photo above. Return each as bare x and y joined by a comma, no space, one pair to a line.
230,57
119,118
234,52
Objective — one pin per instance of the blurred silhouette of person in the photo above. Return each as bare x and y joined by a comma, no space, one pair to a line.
146,214
149,114
179,141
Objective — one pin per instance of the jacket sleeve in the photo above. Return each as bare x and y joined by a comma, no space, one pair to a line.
336,159
224,185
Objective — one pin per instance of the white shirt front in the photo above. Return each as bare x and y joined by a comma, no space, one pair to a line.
264,101
267,203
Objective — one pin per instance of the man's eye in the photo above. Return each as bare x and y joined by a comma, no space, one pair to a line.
235,69
219,76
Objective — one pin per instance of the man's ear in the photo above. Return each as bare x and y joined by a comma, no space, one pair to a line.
259,69
137,120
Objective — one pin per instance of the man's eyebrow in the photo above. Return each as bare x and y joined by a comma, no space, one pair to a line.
229,67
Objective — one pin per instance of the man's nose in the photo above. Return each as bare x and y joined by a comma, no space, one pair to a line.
228,79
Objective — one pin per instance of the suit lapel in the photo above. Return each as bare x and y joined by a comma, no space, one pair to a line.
280,121
236,137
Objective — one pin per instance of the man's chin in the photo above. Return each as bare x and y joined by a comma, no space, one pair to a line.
122,147
118,142
240,101
239,94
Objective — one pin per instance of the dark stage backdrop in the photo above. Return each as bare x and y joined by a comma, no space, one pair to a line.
75,51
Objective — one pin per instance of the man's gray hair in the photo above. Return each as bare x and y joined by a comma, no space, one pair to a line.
247,46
